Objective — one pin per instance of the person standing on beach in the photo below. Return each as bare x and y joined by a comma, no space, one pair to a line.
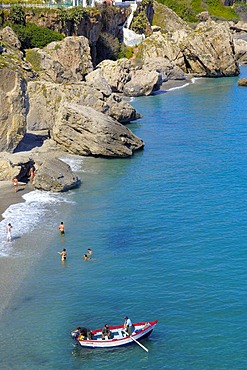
61,228
15,182
9,237
32,174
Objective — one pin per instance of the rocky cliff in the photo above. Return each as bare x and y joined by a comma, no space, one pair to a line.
58,89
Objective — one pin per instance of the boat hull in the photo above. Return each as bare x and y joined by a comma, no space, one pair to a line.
141,331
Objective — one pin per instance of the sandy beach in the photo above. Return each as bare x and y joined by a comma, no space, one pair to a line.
9,196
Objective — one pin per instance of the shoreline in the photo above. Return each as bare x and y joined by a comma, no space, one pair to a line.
9,196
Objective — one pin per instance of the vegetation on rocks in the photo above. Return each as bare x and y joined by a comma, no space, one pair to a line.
17,15
125,52
140,23
32,36
188,9
34,59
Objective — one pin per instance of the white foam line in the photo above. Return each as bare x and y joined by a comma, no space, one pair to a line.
25,216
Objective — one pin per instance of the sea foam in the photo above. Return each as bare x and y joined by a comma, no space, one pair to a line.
25,216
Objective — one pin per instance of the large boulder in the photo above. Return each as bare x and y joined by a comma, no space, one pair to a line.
142,82
119,109
68,60
160,46
11,42
209,51
81,130
124,77
116,73
51,174
98,81
54,175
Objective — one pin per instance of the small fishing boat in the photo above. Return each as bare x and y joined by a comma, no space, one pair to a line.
119,337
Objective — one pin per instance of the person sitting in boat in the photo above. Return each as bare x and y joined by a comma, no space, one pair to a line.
127,325
106,332
85,333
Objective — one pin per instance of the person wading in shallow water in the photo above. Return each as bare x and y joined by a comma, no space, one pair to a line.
63,254
15,182
61,228
9,237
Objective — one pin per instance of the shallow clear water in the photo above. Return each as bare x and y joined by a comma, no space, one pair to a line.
168,230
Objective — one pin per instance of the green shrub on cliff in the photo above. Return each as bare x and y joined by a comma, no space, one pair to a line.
125,52
32,36
140,22
17,15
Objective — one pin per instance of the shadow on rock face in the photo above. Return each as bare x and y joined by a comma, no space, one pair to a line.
30,141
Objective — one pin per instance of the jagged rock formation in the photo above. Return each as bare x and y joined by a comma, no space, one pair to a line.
45,99
68,60
81,130
209,51
52,174
124,77
12,165
56,82
107,19
206,51
12,108
116,73
61,92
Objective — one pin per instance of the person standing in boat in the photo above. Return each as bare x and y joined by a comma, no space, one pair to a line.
106,332
127,325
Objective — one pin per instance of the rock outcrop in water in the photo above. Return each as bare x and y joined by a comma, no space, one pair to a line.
81,130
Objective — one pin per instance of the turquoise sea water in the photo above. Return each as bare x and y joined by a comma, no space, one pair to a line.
168,232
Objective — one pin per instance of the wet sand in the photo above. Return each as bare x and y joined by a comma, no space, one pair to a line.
8,196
